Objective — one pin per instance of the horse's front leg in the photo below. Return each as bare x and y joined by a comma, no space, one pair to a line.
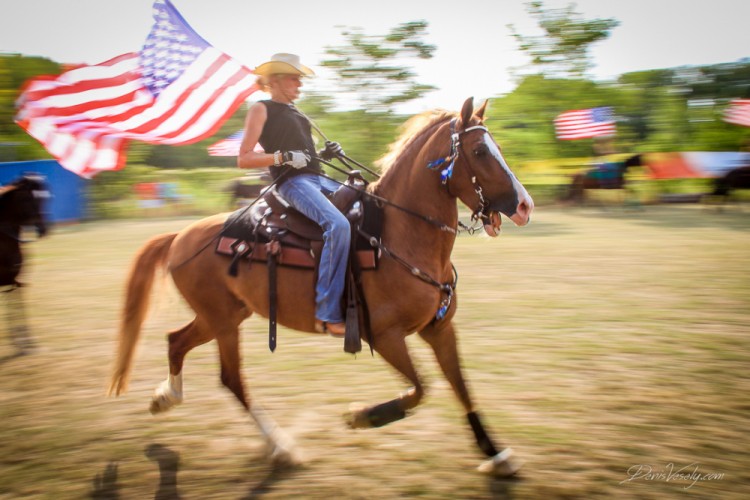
392,347
281,448
441,336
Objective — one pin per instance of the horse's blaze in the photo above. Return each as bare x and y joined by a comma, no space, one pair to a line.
494,221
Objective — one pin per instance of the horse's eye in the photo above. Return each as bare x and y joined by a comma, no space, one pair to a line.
480,150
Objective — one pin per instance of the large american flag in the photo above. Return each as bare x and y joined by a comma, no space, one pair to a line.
177,90
738,112
585,123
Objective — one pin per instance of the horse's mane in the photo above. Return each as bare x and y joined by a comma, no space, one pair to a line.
411,131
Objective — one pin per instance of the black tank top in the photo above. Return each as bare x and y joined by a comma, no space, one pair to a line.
286,129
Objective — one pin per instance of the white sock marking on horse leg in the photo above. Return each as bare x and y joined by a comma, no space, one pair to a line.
175,383
168,394
282,445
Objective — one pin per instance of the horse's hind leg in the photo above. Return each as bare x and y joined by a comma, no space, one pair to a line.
392,347
442,338
181,341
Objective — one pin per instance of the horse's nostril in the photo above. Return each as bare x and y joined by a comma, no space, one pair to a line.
524,208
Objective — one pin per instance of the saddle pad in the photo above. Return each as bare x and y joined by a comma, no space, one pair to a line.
289,256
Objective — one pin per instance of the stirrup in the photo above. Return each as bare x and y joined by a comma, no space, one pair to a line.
323,327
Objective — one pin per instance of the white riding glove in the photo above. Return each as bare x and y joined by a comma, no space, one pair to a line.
295,159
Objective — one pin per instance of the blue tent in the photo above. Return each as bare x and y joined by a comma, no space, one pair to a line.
68,202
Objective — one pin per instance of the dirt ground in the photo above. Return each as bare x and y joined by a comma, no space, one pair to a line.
608,347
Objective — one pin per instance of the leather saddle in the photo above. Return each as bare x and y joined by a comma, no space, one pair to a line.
273,224
272,231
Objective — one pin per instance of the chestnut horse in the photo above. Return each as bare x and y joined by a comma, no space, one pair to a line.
399,302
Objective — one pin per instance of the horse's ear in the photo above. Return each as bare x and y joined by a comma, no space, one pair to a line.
480,111
466,112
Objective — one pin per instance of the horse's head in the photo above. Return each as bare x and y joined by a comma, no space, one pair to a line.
480,176
24,202
633,161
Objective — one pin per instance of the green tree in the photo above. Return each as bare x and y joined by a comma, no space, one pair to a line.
374,71
523,121
15,70
363,135
563,49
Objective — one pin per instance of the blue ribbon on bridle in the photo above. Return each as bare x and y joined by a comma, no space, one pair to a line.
447,172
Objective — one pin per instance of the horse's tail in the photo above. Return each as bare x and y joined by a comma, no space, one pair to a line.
140,281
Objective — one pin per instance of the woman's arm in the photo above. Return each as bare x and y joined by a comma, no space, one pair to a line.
254,122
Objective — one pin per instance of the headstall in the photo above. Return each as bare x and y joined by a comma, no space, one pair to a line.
446,172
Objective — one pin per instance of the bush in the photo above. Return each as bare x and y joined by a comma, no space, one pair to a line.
202,191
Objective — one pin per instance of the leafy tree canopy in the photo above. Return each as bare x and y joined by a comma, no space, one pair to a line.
374,71
563,49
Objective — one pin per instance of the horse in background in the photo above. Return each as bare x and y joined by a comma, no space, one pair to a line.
21,204
246,189
738,178
440,158
610,175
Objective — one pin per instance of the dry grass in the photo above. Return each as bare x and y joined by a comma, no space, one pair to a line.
594,341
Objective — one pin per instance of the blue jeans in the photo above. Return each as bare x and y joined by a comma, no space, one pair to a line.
306,194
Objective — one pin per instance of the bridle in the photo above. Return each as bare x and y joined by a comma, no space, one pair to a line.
446,173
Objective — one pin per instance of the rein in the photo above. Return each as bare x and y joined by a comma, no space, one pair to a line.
383,201
447,288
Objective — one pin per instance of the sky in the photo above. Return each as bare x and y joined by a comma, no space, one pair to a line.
474,47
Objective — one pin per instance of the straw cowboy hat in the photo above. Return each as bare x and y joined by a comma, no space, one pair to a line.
282,63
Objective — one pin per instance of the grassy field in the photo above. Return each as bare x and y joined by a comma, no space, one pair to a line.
600,344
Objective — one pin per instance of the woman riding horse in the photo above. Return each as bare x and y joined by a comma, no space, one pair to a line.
440,158
281,129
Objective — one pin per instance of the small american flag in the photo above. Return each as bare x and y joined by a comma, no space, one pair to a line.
227,147
231,146
177,90
585,123
738,112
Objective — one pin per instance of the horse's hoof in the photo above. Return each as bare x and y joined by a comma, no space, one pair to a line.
26,350
356,417
284,458
504,464
164,399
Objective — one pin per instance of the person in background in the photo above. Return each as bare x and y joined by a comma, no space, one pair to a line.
289,153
